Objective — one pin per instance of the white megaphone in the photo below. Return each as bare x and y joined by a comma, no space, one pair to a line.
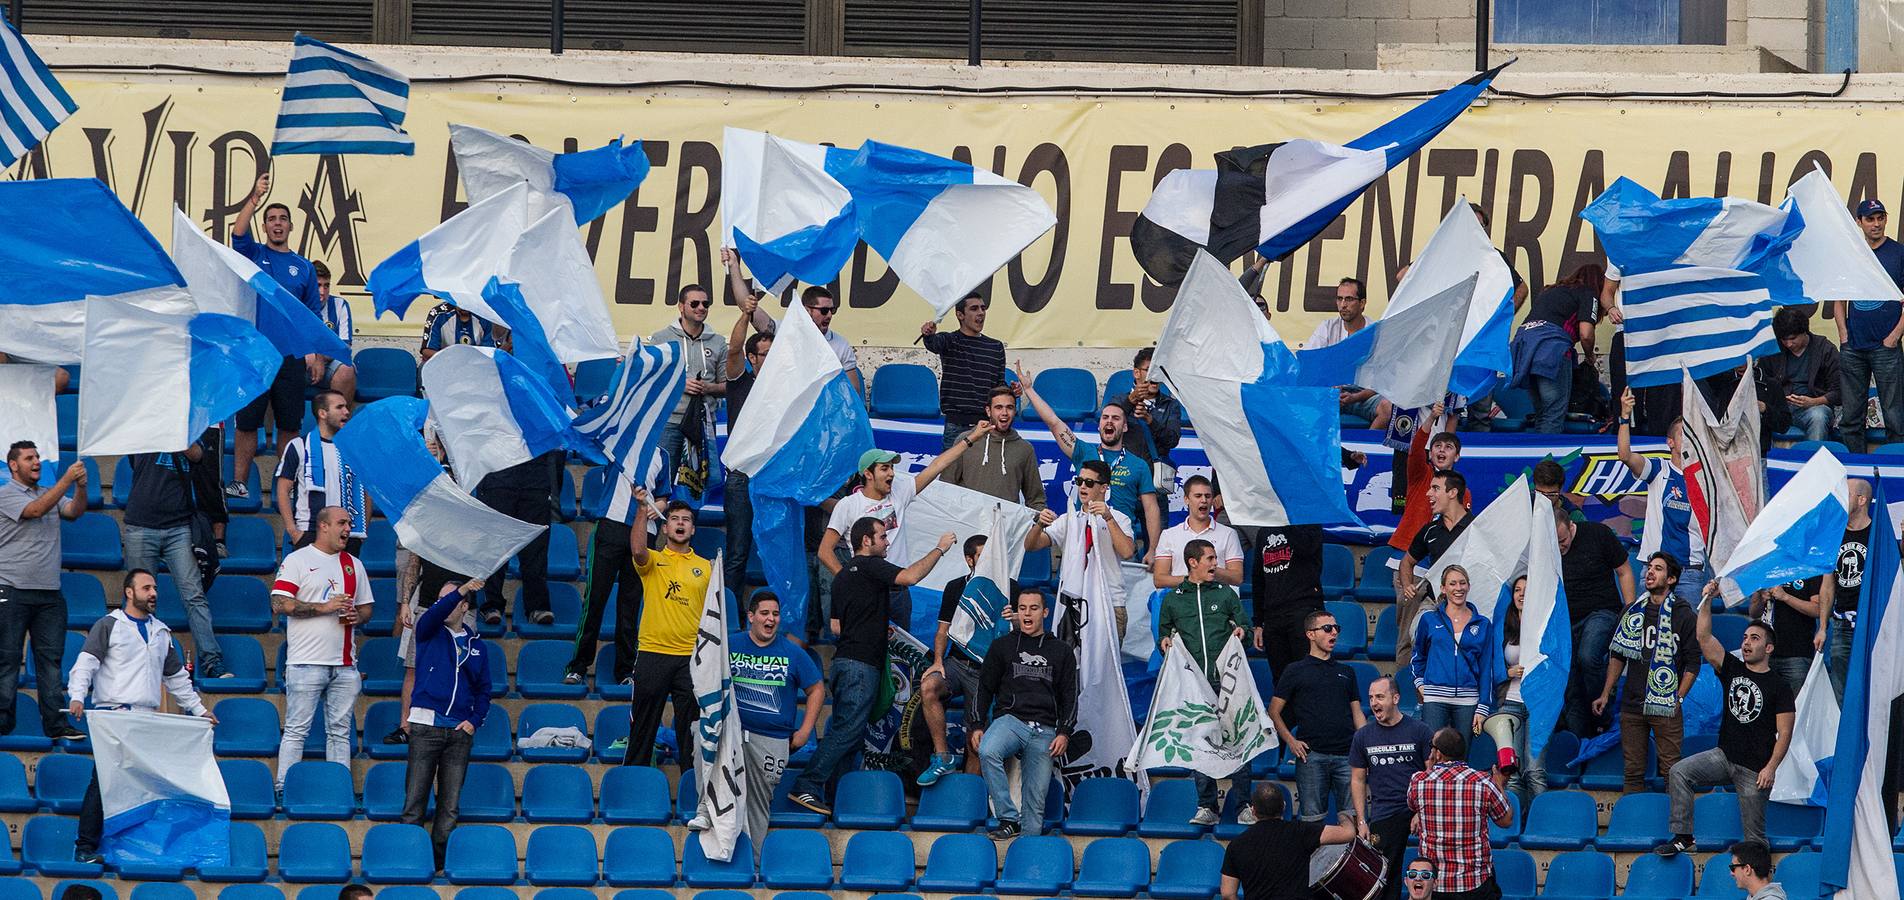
1505,730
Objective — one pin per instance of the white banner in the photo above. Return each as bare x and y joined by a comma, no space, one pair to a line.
1214,732
719,768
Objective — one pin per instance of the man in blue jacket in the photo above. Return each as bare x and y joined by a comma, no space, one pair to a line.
448,704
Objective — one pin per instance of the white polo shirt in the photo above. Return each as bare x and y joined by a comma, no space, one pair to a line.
1170,544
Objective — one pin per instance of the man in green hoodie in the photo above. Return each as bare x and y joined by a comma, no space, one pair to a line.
1204,614
1003,464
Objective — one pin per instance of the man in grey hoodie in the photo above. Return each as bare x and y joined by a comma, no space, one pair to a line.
1752,871
1003,465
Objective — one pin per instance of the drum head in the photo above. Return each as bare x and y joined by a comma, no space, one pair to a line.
1324,861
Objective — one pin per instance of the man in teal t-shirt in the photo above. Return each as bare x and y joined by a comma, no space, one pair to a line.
771,673
1132,487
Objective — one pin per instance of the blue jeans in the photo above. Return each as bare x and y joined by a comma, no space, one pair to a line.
1318,778
1438,715
1692,582
1531,780
1856,370
1838,658
1551,396
1006,737
1814,421
854,686
1592,637
739,510
304,686
145,547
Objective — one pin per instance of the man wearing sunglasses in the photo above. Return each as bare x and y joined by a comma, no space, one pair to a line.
1419,879
970,364
704,351
1316,713
821,305
1270,859
1752,871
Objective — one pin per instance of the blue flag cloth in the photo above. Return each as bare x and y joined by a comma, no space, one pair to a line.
222,280
336,101
152,382
591,182
1798,534
160,791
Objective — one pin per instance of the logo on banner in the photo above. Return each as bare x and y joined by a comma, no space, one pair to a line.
1602,475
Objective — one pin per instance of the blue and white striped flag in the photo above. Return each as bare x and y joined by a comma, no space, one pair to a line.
32,103
336,101
1703,319
647,387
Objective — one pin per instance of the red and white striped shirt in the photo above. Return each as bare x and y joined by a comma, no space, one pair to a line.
310,575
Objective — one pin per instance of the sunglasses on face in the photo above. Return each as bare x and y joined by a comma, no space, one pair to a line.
697,304
824,310
1331,629
1088,482
1418,875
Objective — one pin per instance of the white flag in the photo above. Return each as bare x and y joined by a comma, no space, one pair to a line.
1105,730
159,789
1215,732
718,765
1813,737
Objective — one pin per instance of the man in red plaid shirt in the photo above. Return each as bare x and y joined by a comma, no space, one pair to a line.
1453,804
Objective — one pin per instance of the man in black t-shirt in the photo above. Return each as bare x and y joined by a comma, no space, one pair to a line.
1841,591
1598,577
1316,712
1270,859
1753,734
862,596
1286,567
1431,542
1791,609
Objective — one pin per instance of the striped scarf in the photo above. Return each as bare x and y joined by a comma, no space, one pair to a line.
1662,672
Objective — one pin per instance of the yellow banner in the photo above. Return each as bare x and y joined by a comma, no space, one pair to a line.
1531,166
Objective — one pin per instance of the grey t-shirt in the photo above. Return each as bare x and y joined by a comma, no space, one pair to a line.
29,548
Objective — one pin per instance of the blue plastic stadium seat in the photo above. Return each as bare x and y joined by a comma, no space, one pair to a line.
565,508
481,854
315,789
593,378
1561,749
1560,820
905,391
249,782
66,410
46,847
385,372
1715,879
1790,826
241,606
489,794
877,861
468,893
869,799
91,542
611,725
960,863
540,666
700,872
1798,872
379,719
644,894
384,784
1187,870
85,599
1104,807
105,888
1377,583
1514,871
252,548
494,739
383,613
382,669
149,891
1338,571
1582,874
558,794
1381,644
635,795
1507,835
1638,822
563,854
594,492
1168,809
380,549
1113,867
605,684
1807,448
59,782
1352,641
25,888
171,606
314,852
1605,772
638,856
1040,865
247,863
398,854
956,802
1516,407
1072,393
1659,877
794,858
1715,819
565,562
14,794
558,715
314,739
72,641
244,659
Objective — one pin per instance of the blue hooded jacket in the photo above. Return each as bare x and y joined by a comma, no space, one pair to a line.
452,669
1442,668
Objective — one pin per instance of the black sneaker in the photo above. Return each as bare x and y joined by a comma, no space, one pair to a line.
397,736
1675,847
811,802
66,733
88,857
1006,830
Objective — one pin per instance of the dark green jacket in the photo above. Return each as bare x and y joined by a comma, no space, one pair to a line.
1222,613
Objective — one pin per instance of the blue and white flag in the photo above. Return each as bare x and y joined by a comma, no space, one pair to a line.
977,620
1857,845
222,280
1273,198
944,226
1797,534
1461,270
152,382
1407,357
1831,256
95,247
627,426
163,797
798,439
720,765
32,103
965,513
1699,319
456,259
433,517
336,101
1275,443
1800,777
586,183
493,412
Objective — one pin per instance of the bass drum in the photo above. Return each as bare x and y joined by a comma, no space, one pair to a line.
1351,871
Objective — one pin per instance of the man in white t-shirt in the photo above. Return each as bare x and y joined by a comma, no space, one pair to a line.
1074,532
1350,301
1167,568
324,593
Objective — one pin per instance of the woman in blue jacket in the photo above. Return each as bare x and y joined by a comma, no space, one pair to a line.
1455,665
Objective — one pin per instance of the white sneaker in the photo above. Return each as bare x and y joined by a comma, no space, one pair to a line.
1246,816
700,822
1204,817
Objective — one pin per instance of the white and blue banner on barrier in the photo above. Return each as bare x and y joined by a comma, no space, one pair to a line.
160,790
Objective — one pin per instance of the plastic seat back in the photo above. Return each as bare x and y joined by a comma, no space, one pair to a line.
637,856
398,854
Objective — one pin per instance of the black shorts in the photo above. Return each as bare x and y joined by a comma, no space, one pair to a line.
285,397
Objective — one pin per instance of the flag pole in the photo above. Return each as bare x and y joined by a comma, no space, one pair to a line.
1481,21
555,25
971,32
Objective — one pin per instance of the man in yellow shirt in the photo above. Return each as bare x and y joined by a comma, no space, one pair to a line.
673,591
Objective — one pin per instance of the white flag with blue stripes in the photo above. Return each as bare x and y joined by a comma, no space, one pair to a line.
336,101
1703,319
32,103
627,425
